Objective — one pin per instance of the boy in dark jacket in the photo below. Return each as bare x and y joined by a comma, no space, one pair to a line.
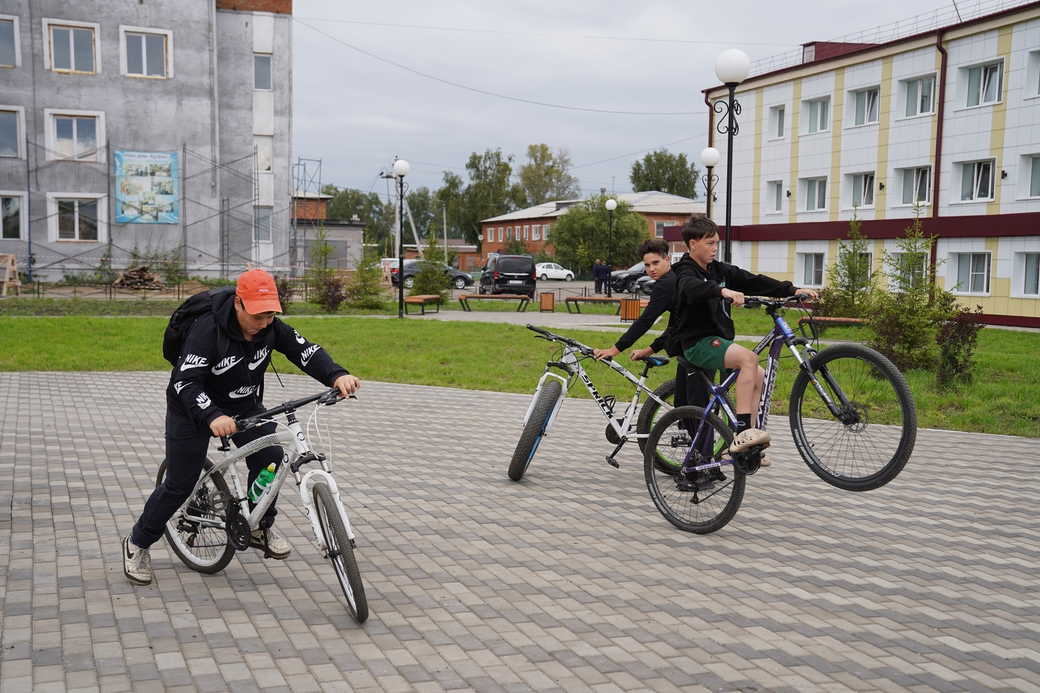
208,388
704,328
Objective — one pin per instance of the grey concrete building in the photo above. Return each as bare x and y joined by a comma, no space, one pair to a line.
144,129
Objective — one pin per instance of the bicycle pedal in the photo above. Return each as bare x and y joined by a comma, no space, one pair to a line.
612,462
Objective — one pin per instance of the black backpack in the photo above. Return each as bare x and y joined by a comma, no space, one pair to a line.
184,317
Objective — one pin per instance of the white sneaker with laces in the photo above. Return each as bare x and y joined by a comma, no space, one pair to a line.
137,563
271,541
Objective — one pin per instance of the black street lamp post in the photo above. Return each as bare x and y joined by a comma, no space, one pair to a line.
611,205
401,168
731,67
710,158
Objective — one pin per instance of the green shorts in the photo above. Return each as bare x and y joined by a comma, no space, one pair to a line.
708,353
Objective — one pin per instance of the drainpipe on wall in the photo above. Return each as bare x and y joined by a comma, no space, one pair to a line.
940,114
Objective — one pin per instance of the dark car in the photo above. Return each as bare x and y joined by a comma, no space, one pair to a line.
644,285
508,274
459,279
625,280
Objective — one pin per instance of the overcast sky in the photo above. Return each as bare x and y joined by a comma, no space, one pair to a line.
355,112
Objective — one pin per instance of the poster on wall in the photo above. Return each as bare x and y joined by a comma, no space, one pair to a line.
147,188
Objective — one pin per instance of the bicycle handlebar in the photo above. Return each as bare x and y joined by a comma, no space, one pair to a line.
757,301
552,337
324,398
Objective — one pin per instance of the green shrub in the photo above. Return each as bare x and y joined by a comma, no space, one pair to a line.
431,278
957,338
366,289
285,292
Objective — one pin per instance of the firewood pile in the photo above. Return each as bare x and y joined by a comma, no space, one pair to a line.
137,278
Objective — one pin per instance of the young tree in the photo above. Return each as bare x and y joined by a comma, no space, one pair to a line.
850,279
431,278
667,172
545,176
366,288
583,234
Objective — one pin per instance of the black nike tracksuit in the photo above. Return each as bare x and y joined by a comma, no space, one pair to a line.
206,384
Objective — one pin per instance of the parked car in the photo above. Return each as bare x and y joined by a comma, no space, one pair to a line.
459,279
625,280
508,274
644,285
550,270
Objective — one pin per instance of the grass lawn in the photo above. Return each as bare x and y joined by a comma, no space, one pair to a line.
1005,397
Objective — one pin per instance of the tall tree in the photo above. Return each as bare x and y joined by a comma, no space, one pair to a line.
487,194
545,176
583,234
376,216
667,172
421,205
448,205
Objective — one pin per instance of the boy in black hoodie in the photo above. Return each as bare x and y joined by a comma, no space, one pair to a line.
704,328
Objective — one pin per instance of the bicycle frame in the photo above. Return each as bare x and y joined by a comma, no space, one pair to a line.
570,364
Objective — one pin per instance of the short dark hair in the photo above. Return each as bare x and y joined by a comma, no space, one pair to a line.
697,228
654,245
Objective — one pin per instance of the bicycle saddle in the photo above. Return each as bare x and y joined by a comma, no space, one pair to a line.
656,361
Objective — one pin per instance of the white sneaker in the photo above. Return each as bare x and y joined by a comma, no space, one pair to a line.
748,438
137,563
272,542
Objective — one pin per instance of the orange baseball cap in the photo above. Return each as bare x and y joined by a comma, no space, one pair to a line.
258,292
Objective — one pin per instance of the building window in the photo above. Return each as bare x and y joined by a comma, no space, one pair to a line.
527,232
545,231
863,189
10,50
500,236
73,46
776,121
1033,74
1030,280
917,185
659,227
536,232
865,106
775,196
977,180
262,224
815,194
816,115
920,96
11,214
909,270
972,273
77,219
75,135
262,71
11,127
146,52
984,82
811,269
1034,177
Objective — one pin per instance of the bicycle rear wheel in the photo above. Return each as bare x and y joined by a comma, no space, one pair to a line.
650,414
196,532
534,429
698,511
871,439
340,550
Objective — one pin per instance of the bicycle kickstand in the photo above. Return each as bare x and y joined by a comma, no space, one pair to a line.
610,458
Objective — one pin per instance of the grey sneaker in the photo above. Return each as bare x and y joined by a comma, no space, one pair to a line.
271,541
749,438
137,563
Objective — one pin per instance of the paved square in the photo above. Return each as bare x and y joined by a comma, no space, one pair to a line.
569,580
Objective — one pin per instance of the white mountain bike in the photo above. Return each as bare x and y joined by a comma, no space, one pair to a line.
215,522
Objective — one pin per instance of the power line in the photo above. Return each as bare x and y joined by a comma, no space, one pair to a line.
485,92
641,151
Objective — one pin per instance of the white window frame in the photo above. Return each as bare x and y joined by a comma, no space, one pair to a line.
20,134
536,232
803,268
270,62
965,73
659,227
915,172
819,197
1022,275
48,63
123,55
49,115
270,224
17,40
1032,176
955,267
23,219
52,215
854,97
1032,89
919,81
777,122
527,232
864,182
976,180
809,122
775,195
500,232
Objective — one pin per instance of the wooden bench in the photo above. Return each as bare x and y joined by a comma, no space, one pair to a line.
422,300
524,299
823,321
576,301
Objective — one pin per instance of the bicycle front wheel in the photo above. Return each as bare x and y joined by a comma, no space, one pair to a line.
340,550
699,510
196,532
650,414
534,429
870,439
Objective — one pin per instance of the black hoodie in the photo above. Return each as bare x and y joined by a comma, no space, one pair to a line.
205,384
662,298
702,312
